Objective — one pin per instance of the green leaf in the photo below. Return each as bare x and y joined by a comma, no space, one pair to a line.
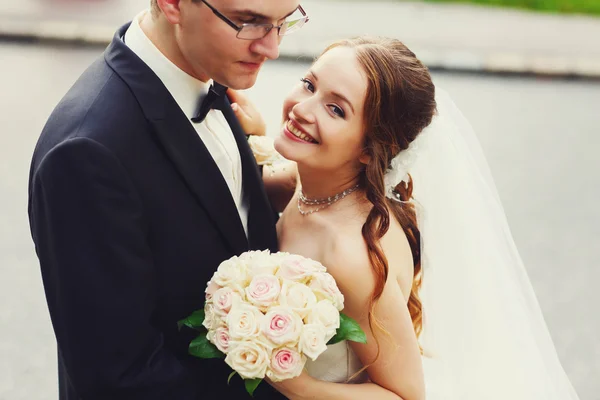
202,348
349,330
251,385
231,376
193,321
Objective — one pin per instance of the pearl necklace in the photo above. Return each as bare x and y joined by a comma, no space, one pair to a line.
324,202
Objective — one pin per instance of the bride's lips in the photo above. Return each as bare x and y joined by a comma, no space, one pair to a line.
297,127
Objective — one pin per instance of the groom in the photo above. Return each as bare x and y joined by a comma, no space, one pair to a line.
141,184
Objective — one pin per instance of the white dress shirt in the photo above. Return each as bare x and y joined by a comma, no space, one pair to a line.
214,131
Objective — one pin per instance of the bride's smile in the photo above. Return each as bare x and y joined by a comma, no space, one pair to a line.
294,131
323,124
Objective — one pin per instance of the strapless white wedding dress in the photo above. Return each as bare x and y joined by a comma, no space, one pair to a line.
337,364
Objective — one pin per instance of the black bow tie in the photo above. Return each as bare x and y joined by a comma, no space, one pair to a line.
212,100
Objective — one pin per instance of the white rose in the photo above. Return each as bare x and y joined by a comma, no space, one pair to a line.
265,264
286,363
269,268
244,321
254,254
325,288
299,269
312,340
282,326
223,299
211,288
325,314
210,320
269,264
263,291
231,272
297,296
248,358
280,256
220,338
263,149
260,262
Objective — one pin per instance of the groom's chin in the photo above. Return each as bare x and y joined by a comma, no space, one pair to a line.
242,81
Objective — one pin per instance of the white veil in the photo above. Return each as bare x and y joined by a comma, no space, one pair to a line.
484,336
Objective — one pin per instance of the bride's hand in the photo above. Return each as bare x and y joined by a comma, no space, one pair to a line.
250,119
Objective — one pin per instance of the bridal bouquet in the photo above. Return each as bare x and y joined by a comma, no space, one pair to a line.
265,313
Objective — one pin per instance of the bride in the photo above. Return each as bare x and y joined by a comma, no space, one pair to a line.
396,199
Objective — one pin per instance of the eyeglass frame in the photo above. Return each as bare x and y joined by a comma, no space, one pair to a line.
239,28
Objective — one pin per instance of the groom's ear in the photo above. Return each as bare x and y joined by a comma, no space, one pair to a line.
170,8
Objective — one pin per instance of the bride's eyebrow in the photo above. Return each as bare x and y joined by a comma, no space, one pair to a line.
334,94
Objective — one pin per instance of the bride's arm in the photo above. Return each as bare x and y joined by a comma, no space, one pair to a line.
305,387
396,373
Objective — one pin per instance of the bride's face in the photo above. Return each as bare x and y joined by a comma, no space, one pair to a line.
323,115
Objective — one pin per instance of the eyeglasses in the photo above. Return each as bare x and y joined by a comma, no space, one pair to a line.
259,31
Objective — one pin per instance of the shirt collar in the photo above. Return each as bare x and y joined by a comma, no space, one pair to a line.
185,89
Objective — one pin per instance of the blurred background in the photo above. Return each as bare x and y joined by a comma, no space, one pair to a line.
526,73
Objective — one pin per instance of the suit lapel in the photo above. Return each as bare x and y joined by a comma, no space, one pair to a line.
261,219
180,141
202,175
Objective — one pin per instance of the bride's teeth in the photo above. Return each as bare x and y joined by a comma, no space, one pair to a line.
296,132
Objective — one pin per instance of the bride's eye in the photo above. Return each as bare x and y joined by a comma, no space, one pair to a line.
308,85
337,110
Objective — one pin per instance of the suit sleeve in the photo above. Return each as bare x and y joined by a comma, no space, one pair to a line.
90,233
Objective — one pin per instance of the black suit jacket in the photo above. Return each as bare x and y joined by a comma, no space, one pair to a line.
130,217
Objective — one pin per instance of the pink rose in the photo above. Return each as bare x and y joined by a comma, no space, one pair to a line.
299,269
223,299
219,338
263,291
286,363
282,326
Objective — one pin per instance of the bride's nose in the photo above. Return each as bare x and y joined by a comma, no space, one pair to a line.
304,111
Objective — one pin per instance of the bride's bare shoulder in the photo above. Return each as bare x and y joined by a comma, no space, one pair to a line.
349,262
399,255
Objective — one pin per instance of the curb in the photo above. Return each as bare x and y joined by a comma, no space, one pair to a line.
512,63
56,31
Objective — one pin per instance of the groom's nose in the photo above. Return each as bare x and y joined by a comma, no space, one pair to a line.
268,46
